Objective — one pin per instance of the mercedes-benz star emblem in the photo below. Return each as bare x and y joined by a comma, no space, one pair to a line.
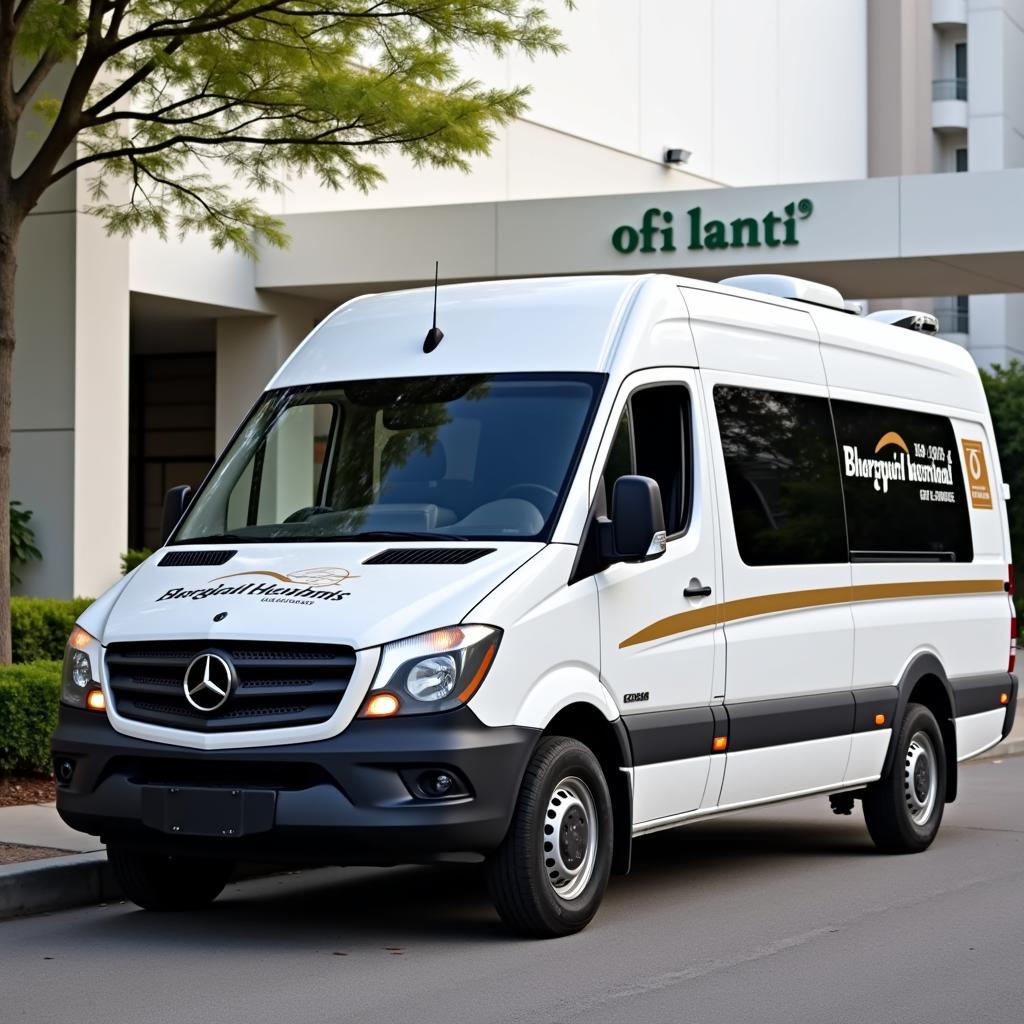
208,682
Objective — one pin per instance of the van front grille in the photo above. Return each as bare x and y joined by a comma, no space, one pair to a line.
278,684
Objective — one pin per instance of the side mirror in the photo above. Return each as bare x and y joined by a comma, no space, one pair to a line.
175,502
636,532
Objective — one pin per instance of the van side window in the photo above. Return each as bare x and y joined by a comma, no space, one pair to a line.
661,422
653,439
903,484
783,476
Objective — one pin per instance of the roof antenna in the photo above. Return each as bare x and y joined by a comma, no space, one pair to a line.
435,334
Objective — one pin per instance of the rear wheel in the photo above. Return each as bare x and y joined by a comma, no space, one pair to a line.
903,811
159,882
549,875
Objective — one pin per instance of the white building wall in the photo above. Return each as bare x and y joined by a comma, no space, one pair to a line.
995,133
759,91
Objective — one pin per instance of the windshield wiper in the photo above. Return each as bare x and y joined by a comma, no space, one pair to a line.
400,535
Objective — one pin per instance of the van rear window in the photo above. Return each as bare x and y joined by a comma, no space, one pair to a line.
783,476
904,488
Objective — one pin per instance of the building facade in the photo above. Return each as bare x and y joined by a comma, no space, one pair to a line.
809,128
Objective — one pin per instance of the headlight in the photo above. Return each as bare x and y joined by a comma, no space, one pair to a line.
434,671
79,686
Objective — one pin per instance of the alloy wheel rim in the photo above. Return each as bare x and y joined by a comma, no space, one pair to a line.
921,778
570,838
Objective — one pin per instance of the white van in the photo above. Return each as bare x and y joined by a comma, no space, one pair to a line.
601,556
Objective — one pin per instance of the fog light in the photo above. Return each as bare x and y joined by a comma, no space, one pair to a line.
64,770
95,701
437,783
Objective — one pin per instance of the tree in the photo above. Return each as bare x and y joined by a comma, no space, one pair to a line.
177,99
1004,387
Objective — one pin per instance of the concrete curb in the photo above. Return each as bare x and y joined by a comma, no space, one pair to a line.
36,886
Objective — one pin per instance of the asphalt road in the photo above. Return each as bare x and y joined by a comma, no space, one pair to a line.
780,914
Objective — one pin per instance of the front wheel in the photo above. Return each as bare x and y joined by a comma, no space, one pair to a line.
549,875
156,881
903,811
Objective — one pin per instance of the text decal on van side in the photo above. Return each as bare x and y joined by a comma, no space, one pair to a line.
927,464
977,473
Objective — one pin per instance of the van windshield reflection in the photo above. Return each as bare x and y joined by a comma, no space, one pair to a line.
435,458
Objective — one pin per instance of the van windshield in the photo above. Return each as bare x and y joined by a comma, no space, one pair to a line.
483,456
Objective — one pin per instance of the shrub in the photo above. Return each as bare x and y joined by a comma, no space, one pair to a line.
29,697
132,559
23,539
40,626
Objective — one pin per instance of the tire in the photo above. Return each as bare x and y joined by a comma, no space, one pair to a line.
904,809
158,882
543,886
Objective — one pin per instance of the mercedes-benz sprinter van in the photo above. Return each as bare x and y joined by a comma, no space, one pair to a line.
601,556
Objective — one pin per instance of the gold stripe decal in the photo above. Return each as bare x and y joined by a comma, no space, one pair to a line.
798,600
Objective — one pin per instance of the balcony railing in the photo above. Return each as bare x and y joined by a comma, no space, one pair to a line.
949,89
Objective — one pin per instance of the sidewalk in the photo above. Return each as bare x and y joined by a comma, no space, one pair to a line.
38,825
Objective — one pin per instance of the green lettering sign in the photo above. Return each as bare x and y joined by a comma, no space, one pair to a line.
655,232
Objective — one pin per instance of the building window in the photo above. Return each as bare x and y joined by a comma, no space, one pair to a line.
171,435
783,475
961,70
954,88
961,159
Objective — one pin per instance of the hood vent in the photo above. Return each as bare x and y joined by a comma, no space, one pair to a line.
197,557
427,556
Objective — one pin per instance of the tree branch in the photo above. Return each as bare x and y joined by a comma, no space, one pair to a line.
325,138
35,78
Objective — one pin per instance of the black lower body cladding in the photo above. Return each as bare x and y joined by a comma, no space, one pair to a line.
352,799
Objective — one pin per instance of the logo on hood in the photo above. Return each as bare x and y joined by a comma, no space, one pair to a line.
302,586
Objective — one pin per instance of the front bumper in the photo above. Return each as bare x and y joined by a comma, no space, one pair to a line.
343,800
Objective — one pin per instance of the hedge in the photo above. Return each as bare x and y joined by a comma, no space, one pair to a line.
29,696
40,626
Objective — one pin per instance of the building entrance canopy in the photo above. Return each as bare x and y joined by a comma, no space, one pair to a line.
928,235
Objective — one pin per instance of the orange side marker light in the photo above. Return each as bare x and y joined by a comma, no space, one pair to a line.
478,678
1004,698
879,719
719,743
95,701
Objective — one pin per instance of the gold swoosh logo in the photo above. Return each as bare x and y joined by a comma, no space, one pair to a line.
891,438
326,576
798,600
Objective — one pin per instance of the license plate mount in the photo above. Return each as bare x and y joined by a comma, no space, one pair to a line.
202,811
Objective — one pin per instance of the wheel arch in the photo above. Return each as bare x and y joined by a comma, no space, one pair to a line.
924,681
610,744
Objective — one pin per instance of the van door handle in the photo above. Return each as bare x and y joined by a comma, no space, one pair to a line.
696,590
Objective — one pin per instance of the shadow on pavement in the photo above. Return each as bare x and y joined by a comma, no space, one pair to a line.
345,908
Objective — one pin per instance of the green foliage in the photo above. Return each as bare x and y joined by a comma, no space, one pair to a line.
23,539
29,697
1004,387
267,90
40,626
132,559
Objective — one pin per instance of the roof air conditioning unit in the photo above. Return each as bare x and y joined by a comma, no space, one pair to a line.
785,287
911,319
